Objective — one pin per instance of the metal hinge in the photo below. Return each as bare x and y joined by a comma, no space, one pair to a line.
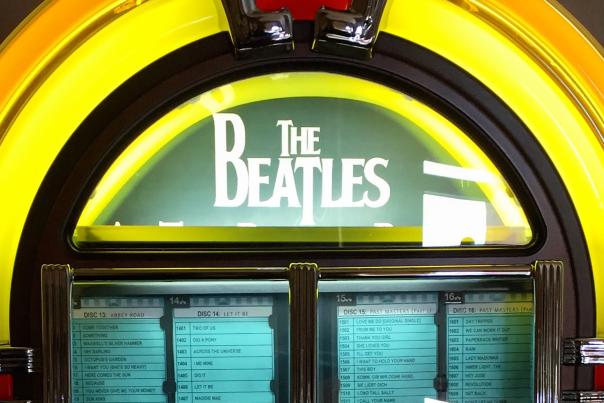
18,360
583,396
583,352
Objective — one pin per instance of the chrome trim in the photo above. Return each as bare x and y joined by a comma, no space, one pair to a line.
56,332
425,284
583,351
129,288
18,360
548,329
179,273
478,271
304,279
583,396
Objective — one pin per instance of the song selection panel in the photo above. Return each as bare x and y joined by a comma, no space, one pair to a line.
387,348
391,348
225,350
118,351
489,348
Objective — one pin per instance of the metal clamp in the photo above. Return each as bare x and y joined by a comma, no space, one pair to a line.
18,360
349,33
255,33
583,351
583,396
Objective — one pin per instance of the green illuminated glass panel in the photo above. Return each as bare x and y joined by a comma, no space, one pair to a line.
278,158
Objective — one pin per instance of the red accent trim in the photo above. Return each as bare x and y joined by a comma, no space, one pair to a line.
303,9
599,377
6,387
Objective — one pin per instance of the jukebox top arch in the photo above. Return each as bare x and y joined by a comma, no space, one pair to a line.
55,53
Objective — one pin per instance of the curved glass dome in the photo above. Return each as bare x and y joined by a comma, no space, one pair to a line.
303,158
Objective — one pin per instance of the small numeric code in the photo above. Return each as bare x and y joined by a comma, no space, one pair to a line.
179,301
345,299
454,297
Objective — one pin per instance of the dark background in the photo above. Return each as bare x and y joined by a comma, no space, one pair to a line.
589,12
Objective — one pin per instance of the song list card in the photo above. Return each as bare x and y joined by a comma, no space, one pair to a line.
225,350
489,348
118,351
387,347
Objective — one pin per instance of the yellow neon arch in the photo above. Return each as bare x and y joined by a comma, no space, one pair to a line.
309,84
559,97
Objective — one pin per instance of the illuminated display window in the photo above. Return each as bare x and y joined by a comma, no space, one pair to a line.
412,341
173,344
458,340
303,158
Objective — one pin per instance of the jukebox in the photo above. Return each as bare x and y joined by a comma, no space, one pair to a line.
264,201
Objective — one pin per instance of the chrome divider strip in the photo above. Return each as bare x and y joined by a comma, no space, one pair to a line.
304,279
56,334
548,330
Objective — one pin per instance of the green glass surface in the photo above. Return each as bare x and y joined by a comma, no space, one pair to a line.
360,168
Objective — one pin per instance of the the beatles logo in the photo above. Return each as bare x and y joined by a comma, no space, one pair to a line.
300,155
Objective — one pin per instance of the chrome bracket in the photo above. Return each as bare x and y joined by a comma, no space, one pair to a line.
255,33
583,351
350,33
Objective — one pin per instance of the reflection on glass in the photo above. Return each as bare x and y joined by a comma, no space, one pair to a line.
411,341
179,347
304,158
451,222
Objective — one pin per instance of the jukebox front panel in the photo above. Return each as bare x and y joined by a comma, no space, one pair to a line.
482,334
387,345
